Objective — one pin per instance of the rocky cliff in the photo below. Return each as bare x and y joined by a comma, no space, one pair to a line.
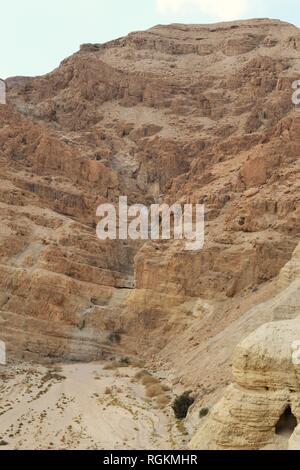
179,113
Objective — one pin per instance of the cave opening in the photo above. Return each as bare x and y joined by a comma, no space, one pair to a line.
286,423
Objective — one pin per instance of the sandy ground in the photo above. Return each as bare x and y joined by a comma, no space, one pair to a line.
82,406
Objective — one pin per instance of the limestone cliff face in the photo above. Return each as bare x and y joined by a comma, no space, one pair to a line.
266,386
177,113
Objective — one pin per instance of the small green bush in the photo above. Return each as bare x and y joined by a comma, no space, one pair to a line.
182,404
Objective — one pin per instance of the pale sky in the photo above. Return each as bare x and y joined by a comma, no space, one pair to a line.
35,35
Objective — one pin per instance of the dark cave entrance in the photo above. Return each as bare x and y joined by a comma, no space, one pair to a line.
286,423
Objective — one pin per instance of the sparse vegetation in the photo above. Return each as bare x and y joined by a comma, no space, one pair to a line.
149,379
52,375
163,400
141,374
182,404
123,362
203,412
115,337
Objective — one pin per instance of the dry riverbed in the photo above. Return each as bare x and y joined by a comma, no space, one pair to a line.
85,406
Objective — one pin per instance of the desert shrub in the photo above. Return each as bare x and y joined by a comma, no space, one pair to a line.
153,390
111,365
141,374
125,361
55,368
163,400
203,412
149,379
50,375
182,404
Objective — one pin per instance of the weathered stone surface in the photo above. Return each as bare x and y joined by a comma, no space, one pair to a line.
266,380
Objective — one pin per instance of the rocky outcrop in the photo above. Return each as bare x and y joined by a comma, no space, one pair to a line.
266,386
261,408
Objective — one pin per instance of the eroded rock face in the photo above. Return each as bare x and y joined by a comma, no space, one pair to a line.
178,114
261,408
